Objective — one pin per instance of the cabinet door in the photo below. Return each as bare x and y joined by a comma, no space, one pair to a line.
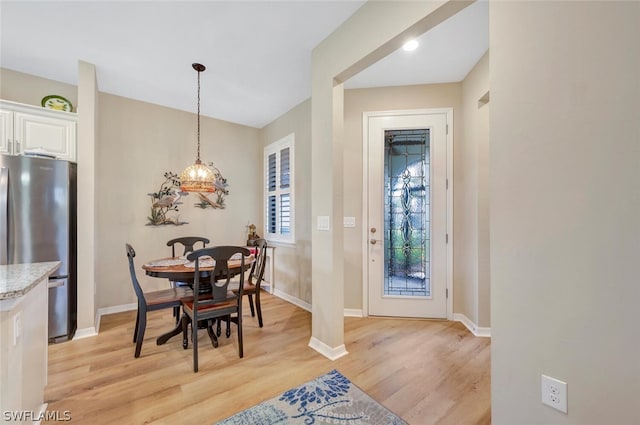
6,132
53,135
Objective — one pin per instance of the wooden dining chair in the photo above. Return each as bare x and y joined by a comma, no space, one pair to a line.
189,243
252,284
221,302
151,301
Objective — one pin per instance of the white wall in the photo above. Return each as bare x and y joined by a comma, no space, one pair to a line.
565,209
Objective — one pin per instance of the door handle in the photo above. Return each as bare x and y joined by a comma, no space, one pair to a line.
55,283
374,241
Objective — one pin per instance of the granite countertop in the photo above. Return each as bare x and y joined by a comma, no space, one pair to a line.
18,279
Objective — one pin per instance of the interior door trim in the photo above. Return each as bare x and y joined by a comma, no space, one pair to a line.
365,199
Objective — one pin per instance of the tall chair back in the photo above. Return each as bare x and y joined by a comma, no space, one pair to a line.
258,266
212,297
189,243
131,253
252,285
151,301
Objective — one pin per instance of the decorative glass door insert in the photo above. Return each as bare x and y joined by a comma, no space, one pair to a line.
406,213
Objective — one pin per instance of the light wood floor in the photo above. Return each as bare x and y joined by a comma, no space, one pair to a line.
428,372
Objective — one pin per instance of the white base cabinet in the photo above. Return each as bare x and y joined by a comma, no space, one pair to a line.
26,128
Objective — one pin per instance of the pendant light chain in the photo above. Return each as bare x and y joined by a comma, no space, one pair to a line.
197,177
198,154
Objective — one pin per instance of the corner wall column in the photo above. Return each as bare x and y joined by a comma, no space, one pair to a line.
327,248
87,123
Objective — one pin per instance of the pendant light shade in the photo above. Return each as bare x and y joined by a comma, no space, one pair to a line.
197,177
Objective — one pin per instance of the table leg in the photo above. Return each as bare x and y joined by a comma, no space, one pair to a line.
167,336
212,335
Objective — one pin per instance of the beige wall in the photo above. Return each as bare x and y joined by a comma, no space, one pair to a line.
293,262
139,142
471,205
135,144
375,30
87,229
565,209
23,88
358,101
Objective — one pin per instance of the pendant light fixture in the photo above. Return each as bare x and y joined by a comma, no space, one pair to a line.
197,177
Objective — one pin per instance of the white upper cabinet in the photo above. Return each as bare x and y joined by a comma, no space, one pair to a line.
26,129
6,131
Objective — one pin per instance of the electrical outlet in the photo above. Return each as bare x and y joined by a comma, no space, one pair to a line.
554,393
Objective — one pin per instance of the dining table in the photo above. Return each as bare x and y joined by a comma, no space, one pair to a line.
179,269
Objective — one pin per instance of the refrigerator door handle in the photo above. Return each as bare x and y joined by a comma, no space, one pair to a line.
4,216
54,283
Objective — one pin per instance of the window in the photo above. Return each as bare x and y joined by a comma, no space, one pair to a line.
279,191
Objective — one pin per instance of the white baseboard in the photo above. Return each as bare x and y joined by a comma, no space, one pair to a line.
85,333
332,353
475,329
89,332
112,310
293,300
117,309
41,413
348,312
353,312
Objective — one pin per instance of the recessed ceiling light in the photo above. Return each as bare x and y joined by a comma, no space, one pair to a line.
410,45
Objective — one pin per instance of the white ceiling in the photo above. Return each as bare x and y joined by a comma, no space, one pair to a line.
257,54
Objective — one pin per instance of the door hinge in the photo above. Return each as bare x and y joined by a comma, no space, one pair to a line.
446,238
447,293
447,184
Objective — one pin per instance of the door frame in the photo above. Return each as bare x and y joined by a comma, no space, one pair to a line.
365,199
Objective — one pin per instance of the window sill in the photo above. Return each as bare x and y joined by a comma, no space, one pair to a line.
276,242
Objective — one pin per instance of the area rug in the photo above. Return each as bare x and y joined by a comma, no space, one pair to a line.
328,399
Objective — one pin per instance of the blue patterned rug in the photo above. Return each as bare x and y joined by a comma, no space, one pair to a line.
328,399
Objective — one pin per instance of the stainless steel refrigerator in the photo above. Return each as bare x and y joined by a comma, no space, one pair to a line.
38,223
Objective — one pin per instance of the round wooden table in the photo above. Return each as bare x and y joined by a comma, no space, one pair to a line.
179,269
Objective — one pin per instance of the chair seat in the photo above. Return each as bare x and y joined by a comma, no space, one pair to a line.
248,287
188,305
165,296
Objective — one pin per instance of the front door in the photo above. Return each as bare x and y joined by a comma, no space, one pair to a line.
407,213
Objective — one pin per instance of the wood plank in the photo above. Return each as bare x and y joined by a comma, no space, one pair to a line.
426,371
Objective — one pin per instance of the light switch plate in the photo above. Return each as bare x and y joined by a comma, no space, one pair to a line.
323,222
349,222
